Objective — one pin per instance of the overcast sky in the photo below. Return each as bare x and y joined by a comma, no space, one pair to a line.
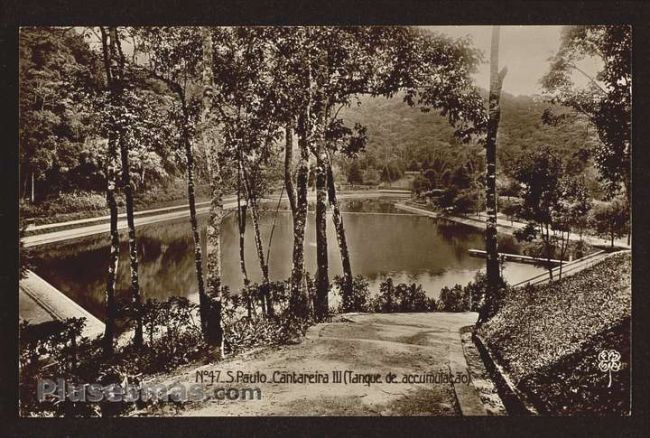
523,49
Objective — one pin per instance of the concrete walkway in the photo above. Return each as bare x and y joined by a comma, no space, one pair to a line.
504,225
569,269
159,215
405,344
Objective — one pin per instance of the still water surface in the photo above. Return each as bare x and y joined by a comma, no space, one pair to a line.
383,242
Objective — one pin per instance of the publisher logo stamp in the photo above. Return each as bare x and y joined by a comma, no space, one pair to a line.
609,361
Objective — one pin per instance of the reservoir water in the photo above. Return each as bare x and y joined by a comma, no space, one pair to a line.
383,242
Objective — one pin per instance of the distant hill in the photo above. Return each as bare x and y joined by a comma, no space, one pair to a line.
408,136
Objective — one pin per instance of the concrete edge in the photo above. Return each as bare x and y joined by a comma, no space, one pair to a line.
515,401
467,395
467,398
57,304
468,343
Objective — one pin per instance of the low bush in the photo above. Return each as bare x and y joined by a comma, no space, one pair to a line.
66,203
401,298
360,299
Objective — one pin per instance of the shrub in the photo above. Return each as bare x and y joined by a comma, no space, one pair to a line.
392,171
360,299
453,299
401,298
510,207
471,297
355,175
371,177
79,201
420,184
246,328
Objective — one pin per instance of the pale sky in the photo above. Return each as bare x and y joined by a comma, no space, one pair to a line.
523,49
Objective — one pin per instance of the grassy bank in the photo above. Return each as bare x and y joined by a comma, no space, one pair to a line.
549,337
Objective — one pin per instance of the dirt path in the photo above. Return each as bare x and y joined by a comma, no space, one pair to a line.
403,344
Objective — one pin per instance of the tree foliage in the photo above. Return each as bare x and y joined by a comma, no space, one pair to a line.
606,100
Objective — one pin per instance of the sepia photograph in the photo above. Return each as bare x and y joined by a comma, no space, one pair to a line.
340,220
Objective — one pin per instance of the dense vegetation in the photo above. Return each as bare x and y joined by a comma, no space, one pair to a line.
410,138
401,138
552,335
62,137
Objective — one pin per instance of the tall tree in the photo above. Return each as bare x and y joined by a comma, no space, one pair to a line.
241,224
337,218
494,113
124,140
288,171
321,306
214,328
349,141
292,78
174,55
545,195
111,177
298,303
259,246
611,220
120,121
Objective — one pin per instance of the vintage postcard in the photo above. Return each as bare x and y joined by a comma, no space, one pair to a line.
256,221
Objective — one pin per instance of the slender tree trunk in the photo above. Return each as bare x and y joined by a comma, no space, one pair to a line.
191,196
565,247
288,158
136,300
25,186
337,218
111,171
241,225
494,113
548,252
117,89
264,267
33,186
299,301
25,177
111,313
628,193
241,222
214,328
322,275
